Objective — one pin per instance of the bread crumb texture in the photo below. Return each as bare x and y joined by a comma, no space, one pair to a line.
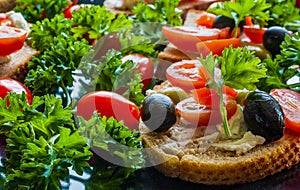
183,153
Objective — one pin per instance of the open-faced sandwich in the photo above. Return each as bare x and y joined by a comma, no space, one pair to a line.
221,118
227,116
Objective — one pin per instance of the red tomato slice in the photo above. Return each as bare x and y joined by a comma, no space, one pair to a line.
230,91
205,19
145,67
206,96
109,104
217,46
8,85
205,115
255,34
290,103
187,74
186,38
11,40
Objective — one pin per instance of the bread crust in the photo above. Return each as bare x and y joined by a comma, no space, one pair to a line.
215,167
7,5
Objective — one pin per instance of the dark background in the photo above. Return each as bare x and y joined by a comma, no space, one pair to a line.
97,2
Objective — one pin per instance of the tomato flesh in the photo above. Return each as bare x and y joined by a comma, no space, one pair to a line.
205,115
109,104
255,34
205,19
11,40
187,74
8,85
186,38
217,46
290,103
145,67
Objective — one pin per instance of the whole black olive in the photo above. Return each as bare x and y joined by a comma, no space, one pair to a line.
273,37
222,22
158,112
264,116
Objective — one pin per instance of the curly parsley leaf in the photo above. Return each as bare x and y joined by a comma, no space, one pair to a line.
282,12
111,74
54,68
132,43
43,33
240,69
284,67
41,143
96,21
163,11
118,143
239,9
36,10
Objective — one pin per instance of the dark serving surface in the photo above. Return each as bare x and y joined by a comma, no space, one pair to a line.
150,179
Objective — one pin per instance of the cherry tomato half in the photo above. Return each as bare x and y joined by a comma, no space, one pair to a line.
109,104
186,38
11,40
217,46
145,67
8,85
290,103
201,114
187,74
255,34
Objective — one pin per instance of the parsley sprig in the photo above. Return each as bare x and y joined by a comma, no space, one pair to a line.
282,12
284,66
163,11
239,9
42,142
239,70
111,74
96,21
37,10
118,143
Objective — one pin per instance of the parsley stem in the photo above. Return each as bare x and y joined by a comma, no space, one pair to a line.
67,94
224,114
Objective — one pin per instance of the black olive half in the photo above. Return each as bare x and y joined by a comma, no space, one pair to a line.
264,116
158,112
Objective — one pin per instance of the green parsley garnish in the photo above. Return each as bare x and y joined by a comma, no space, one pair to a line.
37,10
239,9
239,70
42,142
284,66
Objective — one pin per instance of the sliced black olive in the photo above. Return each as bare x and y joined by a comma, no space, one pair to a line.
264,116
273,37
158,112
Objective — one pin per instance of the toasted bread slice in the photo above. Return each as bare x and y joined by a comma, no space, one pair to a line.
7,5
187,160
16,68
